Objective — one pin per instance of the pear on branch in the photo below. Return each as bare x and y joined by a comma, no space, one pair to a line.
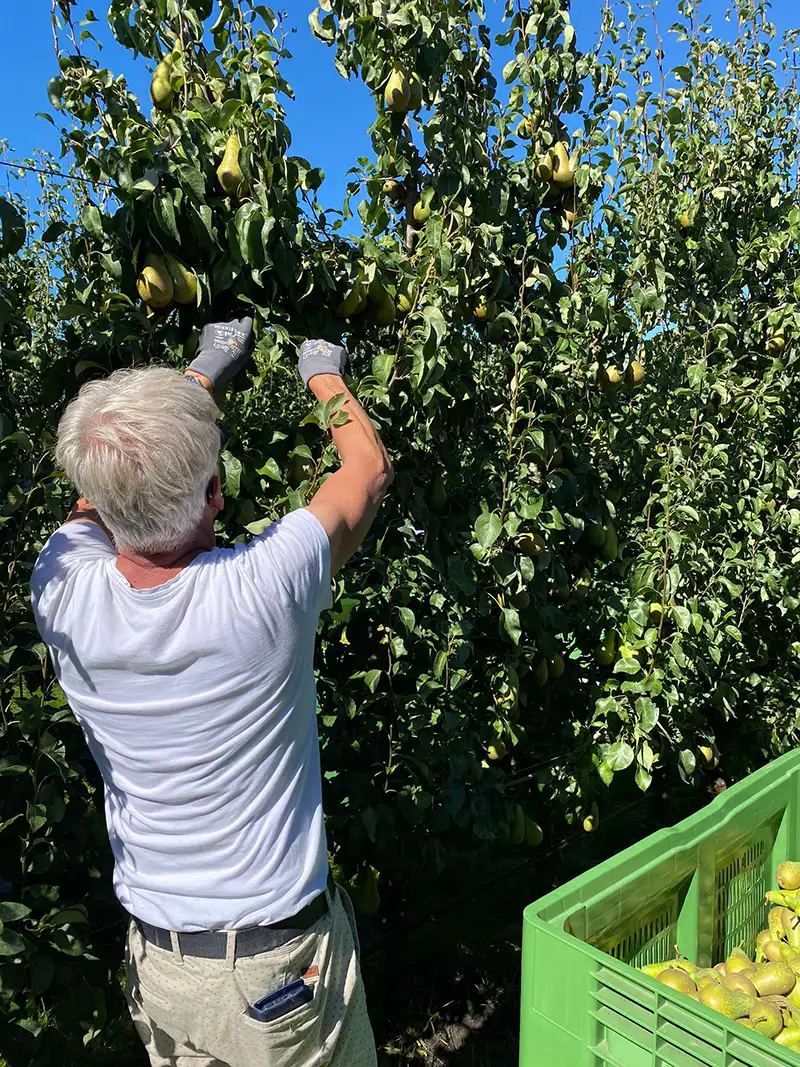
229,173
154,283
563,170
397,93
184,281
161,91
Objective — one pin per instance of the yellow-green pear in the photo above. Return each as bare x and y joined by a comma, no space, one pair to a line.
563,170
766,1019
788,875
740,983
606,650
485,310
774,979
726,1002
436,494
634,373
583,584
382,309
229,173
610,548
496,750
544,168
677,980
161,92
518,829
184,282
541,674
422,213
556,666
415,93
534,835
592,820
530,544
398,91
350,305
609,378
595,534
154,283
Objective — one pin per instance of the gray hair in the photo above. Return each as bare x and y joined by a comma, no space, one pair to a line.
142,446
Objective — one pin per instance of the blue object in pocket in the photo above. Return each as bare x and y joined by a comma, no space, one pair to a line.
282,1001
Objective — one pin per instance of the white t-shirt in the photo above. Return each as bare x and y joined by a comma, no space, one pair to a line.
198,701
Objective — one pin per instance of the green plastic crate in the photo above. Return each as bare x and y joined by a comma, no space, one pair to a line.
699,885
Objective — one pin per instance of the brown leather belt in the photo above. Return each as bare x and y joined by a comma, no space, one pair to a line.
250,941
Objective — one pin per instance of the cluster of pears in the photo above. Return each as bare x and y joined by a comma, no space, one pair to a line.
403,91
375,302
609,378
603,536
762,993
556,167
396,193
164,280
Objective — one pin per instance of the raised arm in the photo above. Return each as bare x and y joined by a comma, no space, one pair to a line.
348,501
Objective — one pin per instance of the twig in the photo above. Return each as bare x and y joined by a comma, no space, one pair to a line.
57,174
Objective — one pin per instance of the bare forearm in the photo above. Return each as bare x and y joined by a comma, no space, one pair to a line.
357,440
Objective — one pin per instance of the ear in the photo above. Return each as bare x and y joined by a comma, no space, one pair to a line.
216,501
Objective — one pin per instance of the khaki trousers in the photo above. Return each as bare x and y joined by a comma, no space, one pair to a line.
192,1012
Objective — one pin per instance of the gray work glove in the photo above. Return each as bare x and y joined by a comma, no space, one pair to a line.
320,357
223,350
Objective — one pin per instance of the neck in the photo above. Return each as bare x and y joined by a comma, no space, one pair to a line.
149,569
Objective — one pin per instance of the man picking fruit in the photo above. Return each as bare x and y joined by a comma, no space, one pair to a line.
190,670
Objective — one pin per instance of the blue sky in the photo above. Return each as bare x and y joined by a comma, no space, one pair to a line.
329,118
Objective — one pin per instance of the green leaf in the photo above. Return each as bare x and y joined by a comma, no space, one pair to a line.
271,470
10,768
688,760
65,916
619,756
92,221
165,216
487,529
259,526
193,179
10,911
232,470
54,231
510,71
643,778
13,229
647,714
409,620
11,943
148,183
627,666
511,625
434,320
371,679
382,366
